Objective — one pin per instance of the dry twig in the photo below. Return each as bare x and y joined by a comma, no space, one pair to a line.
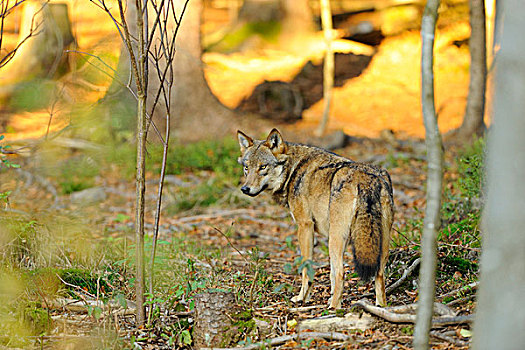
448,339
286,338
467,288
406,273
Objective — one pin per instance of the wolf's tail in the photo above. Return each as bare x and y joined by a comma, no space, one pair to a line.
366,230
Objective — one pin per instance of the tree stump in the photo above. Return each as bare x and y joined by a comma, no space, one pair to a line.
219,321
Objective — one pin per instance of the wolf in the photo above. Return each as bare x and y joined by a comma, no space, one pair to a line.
350,202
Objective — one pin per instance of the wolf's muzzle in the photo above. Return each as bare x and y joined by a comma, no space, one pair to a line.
247,190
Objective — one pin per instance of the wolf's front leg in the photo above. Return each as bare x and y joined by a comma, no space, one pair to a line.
305,233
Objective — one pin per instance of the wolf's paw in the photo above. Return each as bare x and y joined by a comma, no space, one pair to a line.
334,305
297,299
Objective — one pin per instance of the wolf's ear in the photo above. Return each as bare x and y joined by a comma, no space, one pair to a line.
245,141
275,142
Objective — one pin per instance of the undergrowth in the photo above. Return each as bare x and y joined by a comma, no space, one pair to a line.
459,238
208,169
45,257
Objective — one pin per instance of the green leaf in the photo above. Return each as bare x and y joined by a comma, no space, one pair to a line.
122,301
291,323
97,312
185,337
121,217
465,333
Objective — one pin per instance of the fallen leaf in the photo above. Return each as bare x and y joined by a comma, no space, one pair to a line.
465,333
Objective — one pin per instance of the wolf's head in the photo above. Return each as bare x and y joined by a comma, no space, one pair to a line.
263,162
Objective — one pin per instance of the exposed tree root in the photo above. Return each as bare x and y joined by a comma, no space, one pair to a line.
445,317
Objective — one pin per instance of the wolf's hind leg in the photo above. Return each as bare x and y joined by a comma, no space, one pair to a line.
305,233
386,228
336,246
337,241
380,288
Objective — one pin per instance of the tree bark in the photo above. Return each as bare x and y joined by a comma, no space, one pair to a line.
197,112
139,70
473,124
328,68
45,34
427,274
298,17
260,11
214,318
500,314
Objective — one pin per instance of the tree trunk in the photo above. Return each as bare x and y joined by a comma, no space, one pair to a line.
134,27
473,123
45,34
298,17
197,112
328,68
260,11
427,273
140,189
500,314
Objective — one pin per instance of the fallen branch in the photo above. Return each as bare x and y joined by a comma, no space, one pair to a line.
395,317
306,308
439,309
460,300
397,283
332,323
448,339
406,273
76,144
267,222
466,288
286,338
81,306
214,215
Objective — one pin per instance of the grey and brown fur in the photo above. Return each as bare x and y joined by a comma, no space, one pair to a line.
347,201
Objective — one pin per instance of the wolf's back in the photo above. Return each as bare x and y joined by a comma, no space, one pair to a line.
367,227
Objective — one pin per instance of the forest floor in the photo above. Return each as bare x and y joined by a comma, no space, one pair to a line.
66,243
212,237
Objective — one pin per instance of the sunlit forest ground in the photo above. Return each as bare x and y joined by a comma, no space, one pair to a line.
385,96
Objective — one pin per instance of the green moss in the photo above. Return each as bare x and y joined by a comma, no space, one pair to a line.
461,265
243,324
37,319
408,330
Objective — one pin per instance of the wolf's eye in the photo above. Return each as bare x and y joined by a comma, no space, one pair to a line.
262,167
